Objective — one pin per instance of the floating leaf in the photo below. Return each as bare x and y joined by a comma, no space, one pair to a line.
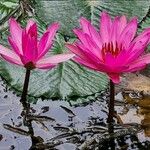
68,12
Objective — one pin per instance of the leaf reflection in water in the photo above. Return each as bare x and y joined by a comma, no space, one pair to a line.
141,110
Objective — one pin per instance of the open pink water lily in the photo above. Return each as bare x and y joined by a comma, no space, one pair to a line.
27,50
113,49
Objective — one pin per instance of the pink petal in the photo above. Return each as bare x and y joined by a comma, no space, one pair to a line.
85,25
128,33
14,46
10,56
44,66
88,53
135,68
76,50
138,47
81,37
83,53
114,34
42,43
12,60
105,27
44,47
86,47
122,24
25,59
110,59
114,77
29,46
146,32
142,40
56,59
95,36
32,31
113,64
144,59
139,64
93,48
30,23
16,32
91,31
123,55
85,63
94,66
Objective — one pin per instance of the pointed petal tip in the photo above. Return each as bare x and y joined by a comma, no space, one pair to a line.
76,31
104,14
11,19
12,22
83,19
31,21
134,20
55,25
31,25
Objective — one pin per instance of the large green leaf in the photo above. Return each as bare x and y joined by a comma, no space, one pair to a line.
7,5
67,12
145,22
66,80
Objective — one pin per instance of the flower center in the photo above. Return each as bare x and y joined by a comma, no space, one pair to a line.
113,48
30,65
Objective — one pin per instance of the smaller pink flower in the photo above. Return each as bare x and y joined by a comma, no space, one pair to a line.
114,49
27,50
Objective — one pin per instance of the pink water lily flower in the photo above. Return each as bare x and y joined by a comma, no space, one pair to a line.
113,49
28,50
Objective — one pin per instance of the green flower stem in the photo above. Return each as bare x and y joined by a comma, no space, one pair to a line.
25,87
111,103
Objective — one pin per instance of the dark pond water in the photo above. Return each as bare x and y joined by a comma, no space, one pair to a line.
57,125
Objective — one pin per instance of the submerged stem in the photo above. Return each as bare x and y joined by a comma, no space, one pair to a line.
111,102
25,87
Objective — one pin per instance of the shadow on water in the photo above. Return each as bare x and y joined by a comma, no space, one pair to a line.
57,125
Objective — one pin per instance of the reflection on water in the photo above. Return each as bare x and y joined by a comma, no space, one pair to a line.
57,125
142,104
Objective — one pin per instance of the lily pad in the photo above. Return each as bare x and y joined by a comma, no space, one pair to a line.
65,12
69,12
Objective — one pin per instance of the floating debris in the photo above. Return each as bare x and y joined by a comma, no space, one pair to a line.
40,118
45,109
16,130
68,110
63,129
